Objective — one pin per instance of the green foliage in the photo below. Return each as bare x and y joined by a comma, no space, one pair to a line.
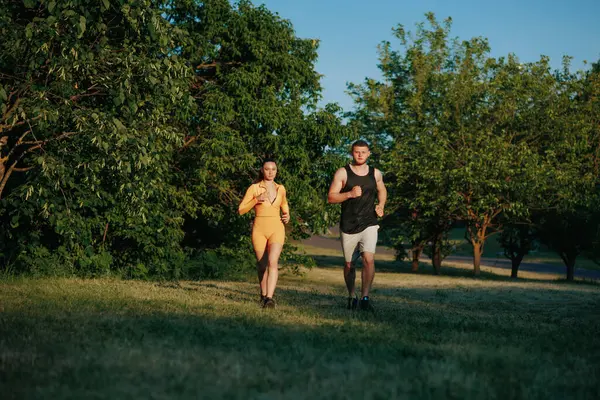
130,130
256,91
472,138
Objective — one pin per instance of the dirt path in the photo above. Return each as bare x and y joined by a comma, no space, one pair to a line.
333,243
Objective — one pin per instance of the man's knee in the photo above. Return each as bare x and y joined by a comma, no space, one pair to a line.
368,258
348,266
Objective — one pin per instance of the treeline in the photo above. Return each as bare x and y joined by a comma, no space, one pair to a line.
499,146
129,131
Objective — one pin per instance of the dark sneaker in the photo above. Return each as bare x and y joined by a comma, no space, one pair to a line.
352,303
365,304
269,303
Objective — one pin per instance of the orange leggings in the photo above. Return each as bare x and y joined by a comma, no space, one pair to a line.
267,230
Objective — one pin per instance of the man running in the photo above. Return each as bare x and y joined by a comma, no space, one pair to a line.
356,186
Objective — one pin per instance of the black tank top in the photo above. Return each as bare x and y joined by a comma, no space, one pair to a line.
359,213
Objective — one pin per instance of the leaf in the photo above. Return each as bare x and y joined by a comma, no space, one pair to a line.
51,6
119,99
29,30
119,125
106,4
81,26
3,96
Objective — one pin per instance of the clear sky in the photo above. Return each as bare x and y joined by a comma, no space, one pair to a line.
350,30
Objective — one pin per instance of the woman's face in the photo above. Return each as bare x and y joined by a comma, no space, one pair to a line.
269,170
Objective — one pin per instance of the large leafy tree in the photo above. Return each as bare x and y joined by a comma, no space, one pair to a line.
570,223
90,93
256,91
465,130
126,124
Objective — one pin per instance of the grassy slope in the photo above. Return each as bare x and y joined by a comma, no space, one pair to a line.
432,337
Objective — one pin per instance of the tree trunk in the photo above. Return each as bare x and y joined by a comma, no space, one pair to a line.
416,255
571,267
516,262
569,260
436,256
477,239
437,261
477,250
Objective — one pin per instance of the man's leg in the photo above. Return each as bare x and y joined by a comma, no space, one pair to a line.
368,244
350,278
368,273
349,243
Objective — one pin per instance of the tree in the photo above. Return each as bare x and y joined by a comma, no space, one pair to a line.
256,91
454,116
569,225
517,240
129,128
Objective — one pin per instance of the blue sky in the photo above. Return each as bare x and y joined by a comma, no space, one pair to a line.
350,30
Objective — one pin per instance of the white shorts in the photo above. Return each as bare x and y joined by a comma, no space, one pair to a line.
354,244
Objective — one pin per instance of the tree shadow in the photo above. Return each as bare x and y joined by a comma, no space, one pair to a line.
310,346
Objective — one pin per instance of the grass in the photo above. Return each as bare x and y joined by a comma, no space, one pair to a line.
431,337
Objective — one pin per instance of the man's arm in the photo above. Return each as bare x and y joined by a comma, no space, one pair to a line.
339,180
381,193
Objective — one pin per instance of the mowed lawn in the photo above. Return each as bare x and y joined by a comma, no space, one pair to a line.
432,337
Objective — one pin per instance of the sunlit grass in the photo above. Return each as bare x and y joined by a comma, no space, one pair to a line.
448,336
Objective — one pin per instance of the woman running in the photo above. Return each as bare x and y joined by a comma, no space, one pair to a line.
268,233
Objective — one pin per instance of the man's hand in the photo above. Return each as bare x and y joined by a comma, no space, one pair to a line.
285,218
379,210
355,192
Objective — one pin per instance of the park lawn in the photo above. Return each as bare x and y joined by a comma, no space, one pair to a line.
448,336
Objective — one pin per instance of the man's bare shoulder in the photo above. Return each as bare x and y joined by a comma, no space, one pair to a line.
340,173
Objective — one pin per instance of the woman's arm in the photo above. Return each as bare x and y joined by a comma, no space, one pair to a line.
248,202
285,207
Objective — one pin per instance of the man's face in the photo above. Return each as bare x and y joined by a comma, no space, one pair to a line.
360,154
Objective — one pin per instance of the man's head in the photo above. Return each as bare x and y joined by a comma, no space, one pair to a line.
360,152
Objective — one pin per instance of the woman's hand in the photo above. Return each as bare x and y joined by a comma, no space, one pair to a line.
285,218
261,198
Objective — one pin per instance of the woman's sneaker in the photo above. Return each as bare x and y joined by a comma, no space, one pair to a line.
269,303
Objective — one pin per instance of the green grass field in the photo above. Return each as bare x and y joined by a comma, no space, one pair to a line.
431,337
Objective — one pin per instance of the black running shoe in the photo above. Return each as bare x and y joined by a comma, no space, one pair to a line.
365,304
269,303
352,303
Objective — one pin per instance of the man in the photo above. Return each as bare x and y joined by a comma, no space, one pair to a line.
356,186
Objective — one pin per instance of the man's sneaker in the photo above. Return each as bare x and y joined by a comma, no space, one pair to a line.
269,303
365,304
352,303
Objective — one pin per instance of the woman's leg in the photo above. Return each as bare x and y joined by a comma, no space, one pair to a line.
273,267
262,260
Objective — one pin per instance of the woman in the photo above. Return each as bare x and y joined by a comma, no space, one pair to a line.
268,233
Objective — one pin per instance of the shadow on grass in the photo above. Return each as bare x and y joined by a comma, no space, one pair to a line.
421,343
